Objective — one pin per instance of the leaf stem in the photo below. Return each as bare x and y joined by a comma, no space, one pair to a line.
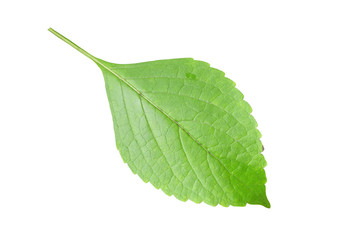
72,44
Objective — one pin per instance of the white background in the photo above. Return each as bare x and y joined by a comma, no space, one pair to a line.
297,63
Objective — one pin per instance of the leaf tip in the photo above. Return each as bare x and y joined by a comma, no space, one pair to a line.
265,201
267,204
260,198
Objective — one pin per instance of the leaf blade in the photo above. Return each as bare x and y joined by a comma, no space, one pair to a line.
184,127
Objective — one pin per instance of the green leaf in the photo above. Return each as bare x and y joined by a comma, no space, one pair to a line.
184,127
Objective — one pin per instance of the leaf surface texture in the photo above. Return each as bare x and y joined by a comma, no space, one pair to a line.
184,127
